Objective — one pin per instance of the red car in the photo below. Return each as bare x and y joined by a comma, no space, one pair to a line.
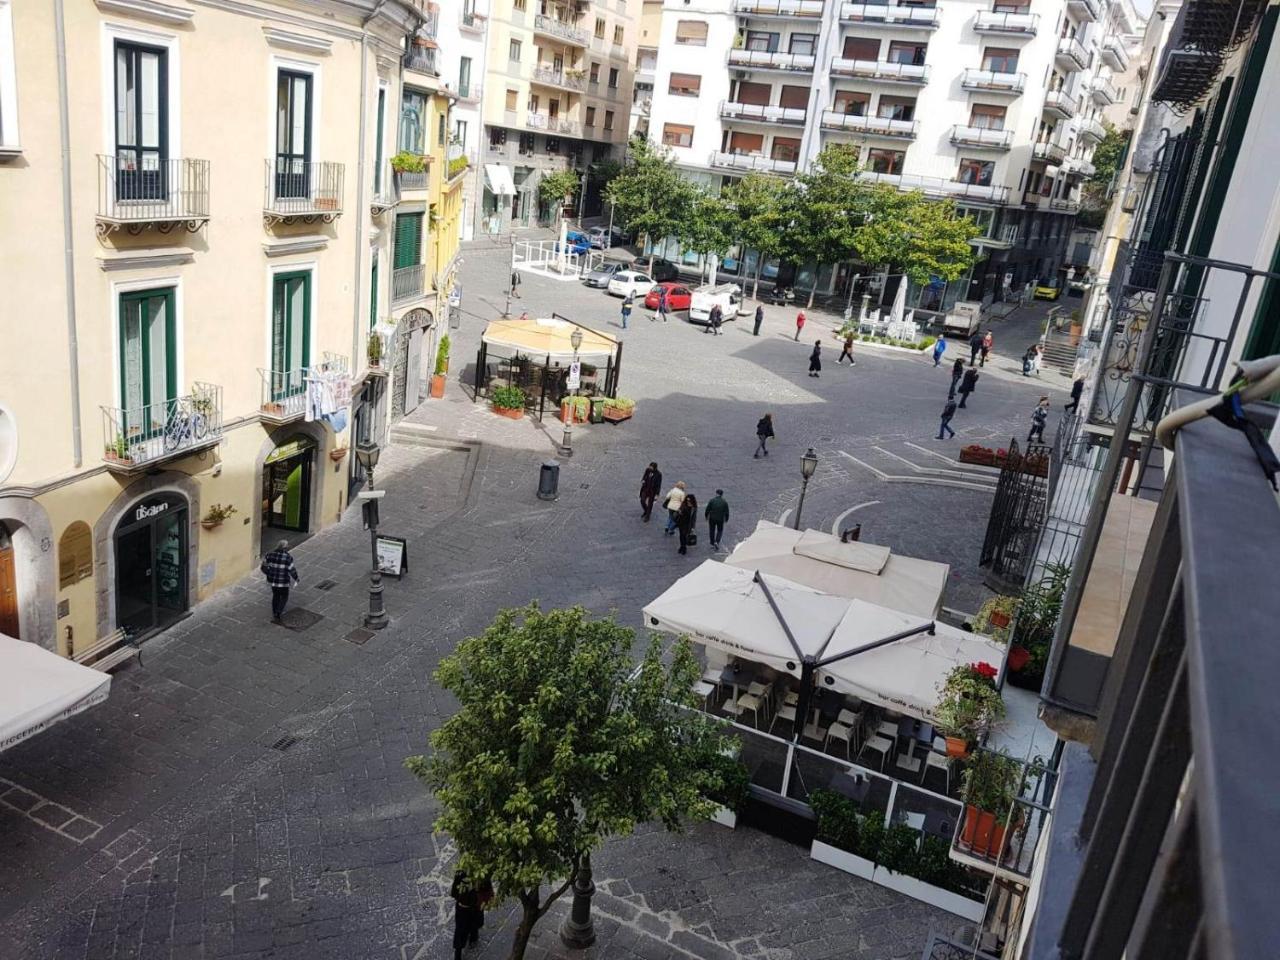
678,296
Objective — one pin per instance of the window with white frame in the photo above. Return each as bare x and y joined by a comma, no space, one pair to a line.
9,140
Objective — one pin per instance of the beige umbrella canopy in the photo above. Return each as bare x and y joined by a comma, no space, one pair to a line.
547,337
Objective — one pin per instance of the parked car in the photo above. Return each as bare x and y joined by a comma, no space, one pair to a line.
575,242
629,282
1078,286
727,295
665,270
602,239
601,275
678,296
1047,288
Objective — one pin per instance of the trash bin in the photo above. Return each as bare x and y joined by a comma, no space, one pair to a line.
549,481
597,410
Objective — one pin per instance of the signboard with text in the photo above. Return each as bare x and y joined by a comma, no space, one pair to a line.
393,555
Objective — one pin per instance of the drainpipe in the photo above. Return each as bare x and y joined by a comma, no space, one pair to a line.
68,240
356,311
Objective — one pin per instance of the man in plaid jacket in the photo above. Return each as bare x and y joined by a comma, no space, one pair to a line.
278,568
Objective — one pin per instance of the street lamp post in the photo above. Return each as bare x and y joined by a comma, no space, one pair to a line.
577,929
808,464
566,442
367,454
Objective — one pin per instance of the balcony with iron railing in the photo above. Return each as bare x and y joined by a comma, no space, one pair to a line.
1103,92
379,351
1057,104
1003,842
993,81
385,195
1079,167
284,392
1003,238
869,126
471,22
1087,11
135,438
762,113
981,137
771,60
575,80
469,93
1114,54
1006,24
550,124
751,162
302,190
888,71
890,14
142,193
1071,55
422,60
1048,152
940,186
784,9
1091,129
560,30
412,181
1064,205
408,283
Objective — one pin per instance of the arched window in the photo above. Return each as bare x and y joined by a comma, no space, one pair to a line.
75,554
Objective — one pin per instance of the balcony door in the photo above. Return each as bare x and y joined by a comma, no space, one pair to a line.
142,106
148,362
293,134
290,320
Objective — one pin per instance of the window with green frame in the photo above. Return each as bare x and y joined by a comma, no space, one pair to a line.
290,336
148,359
408,240
373,293
413,122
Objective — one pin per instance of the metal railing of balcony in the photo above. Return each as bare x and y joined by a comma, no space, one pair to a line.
407,283
1072,52
1003,842
940,186
1085,9
1093,130
307,189
284,392
559,78
772,60
881,70
995,81
1050,152
1061,205
875,126
1114,52
385,193
1017,24
472,21
763,113
469,92
379,350
1058,101
751,161
135,437
982,137
415,179
421,60
133,192
794,9
1103,91
559,28
901,15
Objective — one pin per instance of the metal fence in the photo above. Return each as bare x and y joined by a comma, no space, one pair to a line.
407,283
136,436
133,189
303,188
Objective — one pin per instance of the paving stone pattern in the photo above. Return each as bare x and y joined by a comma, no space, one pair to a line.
242,793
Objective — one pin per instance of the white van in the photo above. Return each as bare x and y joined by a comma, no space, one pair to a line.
727,295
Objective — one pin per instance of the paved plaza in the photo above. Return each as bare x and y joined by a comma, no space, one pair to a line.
241,794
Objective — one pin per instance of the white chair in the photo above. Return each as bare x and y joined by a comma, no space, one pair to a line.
792,699
940,745
765,692
704,690
753,703
878,745
787,713
730,707
851,719
840,731
937,762
887,730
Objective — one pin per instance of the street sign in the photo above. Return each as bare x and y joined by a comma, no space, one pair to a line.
393,555
575,375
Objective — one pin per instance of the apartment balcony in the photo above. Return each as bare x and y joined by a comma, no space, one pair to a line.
1064,206
771,60
560,30
134,439
940,186
760,113
469,93
869,126
386,195
284,392
1006,24
548,124
471,22
413,181
1114,54
379,351
408,283
1086,11
1071,55
781,9
1058,104
1103,92
890,15
422,60
981,137
301,190
916,74
151,194
1004,238
1004,843
1049,152
565,80
993,81
751,163
1081,168
1092,130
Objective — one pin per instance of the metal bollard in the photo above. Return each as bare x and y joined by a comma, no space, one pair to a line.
549,481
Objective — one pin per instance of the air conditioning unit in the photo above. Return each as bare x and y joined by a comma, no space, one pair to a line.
1129,200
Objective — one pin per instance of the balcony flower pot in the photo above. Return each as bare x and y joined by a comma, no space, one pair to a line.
957,747
338,454
571,412
999,618
210,524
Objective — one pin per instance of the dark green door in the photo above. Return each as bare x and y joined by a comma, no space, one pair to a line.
408,243
290,322
148,362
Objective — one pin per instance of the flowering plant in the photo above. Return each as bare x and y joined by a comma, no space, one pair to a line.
984,670
969,704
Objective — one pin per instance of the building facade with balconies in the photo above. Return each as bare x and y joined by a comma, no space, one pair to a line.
983,105
558,95
215,257
463,37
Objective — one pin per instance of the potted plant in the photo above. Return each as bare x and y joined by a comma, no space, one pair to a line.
730,787
843,839
214,516
991,782
995,616
969,705
617,409
118,450
978,454
509,402
338,453
374,350
442,367
406,162
575,409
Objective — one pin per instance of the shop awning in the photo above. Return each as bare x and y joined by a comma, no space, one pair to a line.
547,337
39,688
498,178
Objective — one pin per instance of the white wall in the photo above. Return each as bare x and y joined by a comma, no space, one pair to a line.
709,62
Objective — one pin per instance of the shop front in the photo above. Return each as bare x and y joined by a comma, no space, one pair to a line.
287,475
151,556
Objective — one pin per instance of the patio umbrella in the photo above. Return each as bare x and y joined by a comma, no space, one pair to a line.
38,688
899,302
547,337
564,244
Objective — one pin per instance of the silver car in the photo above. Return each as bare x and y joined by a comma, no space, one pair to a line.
601,275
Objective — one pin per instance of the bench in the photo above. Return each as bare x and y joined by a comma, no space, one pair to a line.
111,651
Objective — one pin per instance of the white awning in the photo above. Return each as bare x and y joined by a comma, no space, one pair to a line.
498,177
39,688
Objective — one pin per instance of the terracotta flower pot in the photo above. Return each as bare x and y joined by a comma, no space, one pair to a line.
210,524
999,618
437,385
513,413
957,747
338,455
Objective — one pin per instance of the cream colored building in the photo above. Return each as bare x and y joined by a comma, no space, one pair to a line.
199,227
557,95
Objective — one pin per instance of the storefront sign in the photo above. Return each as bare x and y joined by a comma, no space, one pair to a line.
393,555
146,510
291,449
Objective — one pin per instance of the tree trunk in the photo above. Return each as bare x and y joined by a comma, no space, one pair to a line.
528,917
755,289
813,290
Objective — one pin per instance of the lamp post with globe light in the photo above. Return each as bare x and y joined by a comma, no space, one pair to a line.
566,442
808,464
367,454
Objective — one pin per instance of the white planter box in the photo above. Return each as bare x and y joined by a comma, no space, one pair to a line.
725,817
971,910
842,860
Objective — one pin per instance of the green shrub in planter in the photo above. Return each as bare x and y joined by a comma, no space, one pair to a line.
870,836
926,343
837,819
935,866
732,783
406,162
898,849
509,398
442,356
621,403
991,782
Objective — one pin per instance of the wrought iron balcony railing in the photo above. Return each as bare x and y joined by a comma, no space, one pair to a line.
1049,152
138,192
138,436
284,392
407,283
559,78
1057,103
1006,24
1072,55
302,190
560,29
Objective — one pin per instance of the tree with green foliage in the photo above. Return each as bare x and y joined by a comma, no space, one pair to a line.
650,195
559,742
914,235
708,229
1095,195
759,206
558,187
827,206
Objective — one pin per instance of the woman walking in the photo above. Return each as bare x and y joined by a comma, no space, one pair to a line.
672,501
687,521
815,359
468,911
957,371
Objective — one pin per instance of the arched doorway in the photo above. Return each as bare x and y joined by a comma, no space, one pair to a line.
9,619
289,474
412,361
151,548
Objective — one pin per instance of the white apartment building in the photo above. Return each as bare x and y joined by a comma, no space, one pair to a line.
463,35
995,104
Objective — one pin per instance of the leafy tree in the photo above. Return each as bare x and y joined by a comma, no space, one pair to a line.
559,186
650,195
917,236
759,206
828,205
557,745
1095,195
708,229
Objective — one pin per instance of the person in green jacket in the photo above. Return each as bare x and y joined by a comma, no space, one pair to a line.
717,514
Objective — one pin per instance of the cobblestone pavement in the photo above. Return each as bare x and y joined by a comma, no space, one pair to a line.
241,793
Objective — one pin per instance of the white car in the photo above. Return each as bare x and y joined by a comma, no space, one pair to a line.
630,282
727,295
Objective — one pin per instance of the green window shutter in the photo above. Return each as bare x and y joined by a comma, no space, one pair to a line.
373,295
408,241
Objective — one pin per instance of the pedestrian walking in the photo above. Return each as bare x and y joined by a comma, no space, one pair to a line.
717,318
687,522
468,911
662,303
1077,388
1030,359
799,324
671,503
939,349
764,431
1038,417
948,411
988,341
967,384
717,514
975,347
847,351
815,359
627,303
281,573
515,284
755,331
957,371
650,487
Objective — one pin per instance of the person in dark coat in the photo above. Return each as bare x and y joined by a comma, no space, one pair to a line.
967,384
815,359
847,351
468,911
717,514
948,412
650,487
755,331
764,431
662,303
717,318
975,347
687,520
957,371
515,283
1038,417
1077,388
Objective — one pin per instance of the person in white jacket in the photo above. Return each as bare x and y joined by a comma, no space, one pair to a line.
672,501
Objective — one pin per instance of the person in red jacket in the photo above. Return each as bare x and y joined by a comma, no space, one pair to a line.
799,324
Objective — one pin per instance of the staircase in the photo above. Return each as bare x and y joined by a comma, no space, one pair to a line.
1060,351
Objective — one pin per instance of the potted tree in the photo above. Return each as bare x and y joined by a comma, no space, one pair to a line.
969,705
214,516
373,350
730,789
338,453
575,409
991,781
509,402
441,369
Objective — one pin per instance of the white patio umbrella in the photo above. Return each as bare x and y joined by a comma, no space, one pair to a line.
899,302
564,244
38,688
